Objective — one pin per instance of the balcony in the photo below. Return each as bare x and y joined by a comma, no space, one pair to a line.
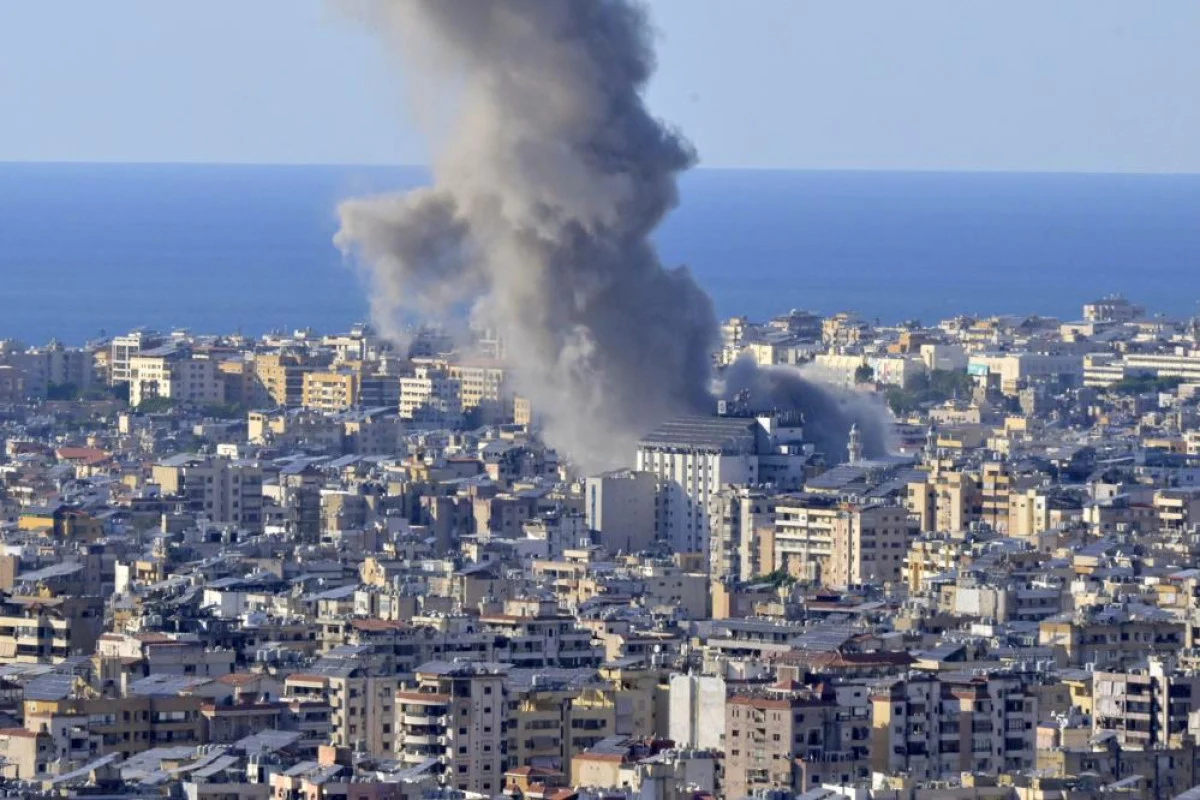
424,740
423,719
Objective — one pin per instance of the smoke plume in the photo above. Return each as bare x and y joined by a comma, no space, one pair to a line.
828,411
549,179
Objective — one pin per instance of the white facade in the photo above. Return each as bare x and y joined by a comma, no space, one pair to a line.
695,457
688,481
895,370
944,356
697,712
124,348
430,395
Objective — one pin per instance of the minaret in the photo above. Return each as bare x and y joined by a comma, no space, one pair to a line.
855,446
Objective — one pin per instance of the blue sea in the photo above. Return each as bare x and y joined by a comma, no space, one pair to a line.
86,249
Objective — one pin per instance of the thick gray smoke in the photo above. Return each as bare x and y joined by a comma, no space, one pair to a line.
828,411
547,186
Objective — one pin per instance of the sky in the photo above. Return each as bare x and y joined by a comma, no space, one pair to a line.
1068,85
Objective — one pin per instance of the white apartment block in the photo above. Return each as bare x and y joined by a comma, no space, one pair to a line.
430,395
124,348
696,711
695,457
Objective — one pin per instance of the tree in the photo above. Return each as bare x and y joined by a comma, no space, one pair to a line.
155,405
225,410
62,391
864,374
1145,384
925,388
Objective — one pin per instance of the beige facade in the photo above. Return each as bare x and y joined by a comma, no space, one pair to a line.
766,735
224,491
174,375
456,714
934,728
824,540
280,378
331,391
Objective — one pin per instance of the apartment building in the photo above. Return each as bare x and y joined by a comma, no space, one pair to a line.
12,384
281,378
1111,638
82,725
1145,707
290,427
696,457
430,395
1178,509
995,488
945,500
483,388
124,348
539,637
742,542
551,721
173,373
219,489
822,539
767,731
241,382
939,726
1013,370
45,629
1114,308
331,391
619,506
455,714
360,697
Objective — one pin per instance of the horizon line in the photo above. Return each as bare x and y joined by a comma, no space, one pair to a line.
697,168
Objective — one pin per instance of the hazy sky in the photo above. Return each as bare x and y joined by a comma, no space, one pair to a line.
1079,85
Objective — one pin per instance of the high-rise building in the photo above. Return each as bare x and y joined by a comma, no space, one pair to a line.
771,737
281,377
742,520
455,715
695,457
430,395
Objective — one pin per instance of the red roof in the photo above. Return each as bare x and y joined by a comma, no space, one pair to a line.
88,455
